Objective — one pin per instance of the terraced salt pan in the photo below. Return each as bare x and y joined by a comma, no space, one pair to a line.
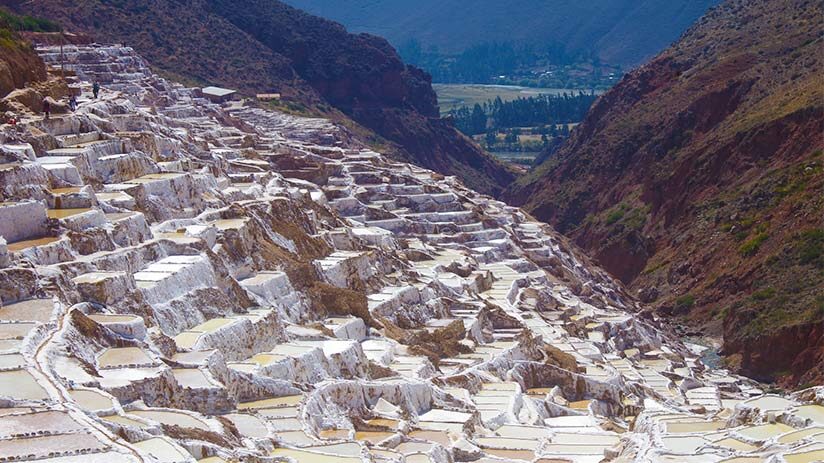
796,436
34,310
46,446
162,450
248,425
815,413
52,422
91,400
125,421
118,357
33,243
12,361
769,402
21,385
172,418
812,456
276,402
373,437
764,431
304,456
192,378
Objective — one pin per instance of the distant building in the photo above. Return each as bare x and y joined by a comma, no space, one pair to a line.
217,94
268,96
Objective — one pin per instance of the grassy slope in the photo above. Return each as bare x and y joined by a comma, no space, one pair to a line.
700,176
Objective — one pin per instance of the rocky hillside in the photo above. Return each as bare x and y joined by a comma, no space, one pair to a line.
19,64
698,181
265,46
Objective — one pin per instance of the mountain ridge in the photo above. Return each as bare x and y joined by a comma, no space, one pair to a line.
624,33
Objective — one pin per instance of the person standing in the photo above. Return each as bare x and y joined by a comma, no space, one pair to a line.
96,89
46,107
73,103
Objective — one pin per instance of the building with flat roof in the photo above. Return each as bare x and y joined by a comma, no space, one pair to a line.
217,94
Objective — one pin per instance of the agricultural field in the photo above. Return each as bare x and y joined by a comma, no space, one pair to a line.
453,96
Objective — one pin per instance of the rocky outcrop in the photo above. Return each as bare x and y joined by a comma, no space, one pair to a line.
698,181
260,46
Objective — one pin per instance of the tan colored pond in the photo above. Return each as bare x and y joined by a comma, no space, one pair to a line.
192,378
123,356
162,450
23,245
104,318
800,434
684,444
285,401
507,443
285,424
279,412
10,361
333,434
582,438
33,310
187,339
21,385
811,412
65,213
43,446
66,191
439,437
91,400
296,438
172,418
735,444
124,421
525,455
303,456
694,426
373,437
15,330
249,425
769,402
765,431
805,457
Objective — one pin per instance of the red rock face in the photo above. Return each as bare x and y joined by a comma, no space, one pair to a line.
699,182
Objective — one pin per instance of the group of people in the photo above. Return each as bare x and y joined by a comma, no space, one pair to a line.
72,101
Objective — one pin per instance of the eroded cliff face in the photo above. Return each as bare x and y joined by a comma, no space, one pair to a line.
19,64
699,182
182,281
260,46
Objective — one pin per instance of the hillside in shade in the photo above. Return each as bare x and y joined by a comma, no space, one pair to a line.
621,32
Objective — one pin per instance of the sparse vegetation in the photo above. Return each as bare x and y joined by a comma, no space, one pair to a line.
26,23
751,246
685,302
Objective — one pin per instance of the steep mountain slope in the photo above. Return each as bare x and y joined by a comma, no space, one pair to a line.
624,32
264,45
699,180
